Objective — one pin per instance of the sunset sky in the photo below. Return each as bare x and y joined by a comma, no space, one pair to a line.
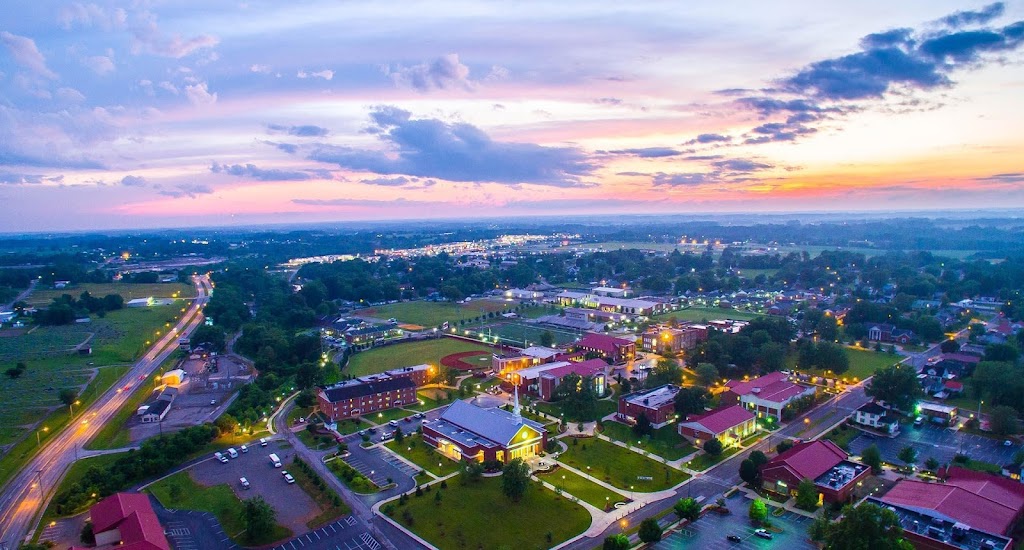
198,113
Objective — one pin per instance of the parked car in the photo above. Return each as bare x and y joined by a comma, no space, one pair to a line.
387,436
220,457
263,442
763,533
213,402
1008,443
734,538
918,422
420,415
232,453
363,432
244,449
288,477
244,482
372,430
407,419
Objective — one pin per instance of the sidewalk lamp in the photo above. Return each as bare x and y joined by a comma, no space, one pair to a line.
45,429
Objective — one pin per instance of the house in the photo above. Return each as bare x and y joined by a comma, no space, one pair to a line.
876,416
353,398
617,350
966,501
821,461
729,425
468,432
889,333
961,365
657,404
127,521
767,395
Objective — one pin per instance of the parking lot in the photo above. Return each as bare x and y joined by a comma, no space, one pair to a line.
294,507
344,534
377,433
938,442
710,532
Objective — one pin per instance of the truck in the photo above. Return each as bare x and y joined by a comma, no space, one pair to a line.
275,460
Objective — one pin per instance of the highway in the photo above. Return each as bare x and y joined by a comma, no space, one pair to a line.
27,494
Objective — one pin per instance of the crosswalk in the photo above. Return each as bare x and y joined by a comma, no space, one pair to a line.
181,536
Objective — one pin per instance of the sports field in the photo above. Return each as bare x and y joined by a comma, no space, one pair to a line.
407,354
128,291
432,314
699,314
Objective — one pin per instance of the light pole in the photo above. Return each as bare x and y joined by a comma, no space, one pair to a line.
45,429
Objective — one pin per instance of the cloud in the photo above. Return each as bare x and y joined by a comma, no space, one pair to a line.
198,94
979,17
684,179
968,46
254,172
307,130
289,148
262,69
325,74
649,152
70,95
15,158
388,182
445,72
887,39
26,54
367,202
456,152
608,101
741,165
99,64
708,138
778,131
91,15
769,106
1012,177
147,37
11,178
133,181
190,190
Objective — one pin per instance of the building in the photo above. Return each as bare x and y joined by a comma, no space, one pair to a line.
174,377
158,405
663,338
938,413
549,377
730,425
126,521
611,291
520,294
354,398
419,374
467,432
889,333
593,315
503,363
617,350
658,405
767,395
947,513
926,530
629,306
821,461
876,416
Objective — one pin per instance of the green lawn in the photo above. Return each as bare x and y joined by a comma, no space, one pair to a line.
710,314
129,291
620,467
407,354
352,478
478,515
603,407
428,403
433,314
704,461
413,449
842,437
581,488
522,334
665,442
75,474
220,500
383,417
863,363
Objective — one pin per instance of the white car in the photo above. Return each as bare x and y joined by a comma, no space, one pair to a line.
244,482
263,442
220,457
232,453
287,477
763,533
244,449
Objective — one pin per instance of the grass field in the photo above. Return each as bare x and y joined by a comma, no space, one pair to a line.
581,488
407,354
433,314
603,407
478,515
75,474
704,461
700,314
620,467
522,334
432,399
128,291
863,363
753,273
419,453
665,442
220,500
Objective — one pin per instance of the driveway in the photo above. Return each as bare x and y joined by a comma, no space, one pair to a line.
709,532
294,507
938,442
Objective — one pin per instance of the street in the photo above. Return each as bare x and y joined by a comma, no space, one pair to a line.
28,493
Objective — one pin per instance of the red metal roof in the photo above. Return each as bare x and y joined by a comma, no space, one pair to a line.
743,387
954,385
720,420
133,516
603,342
808,460
982,501
583,368
774,387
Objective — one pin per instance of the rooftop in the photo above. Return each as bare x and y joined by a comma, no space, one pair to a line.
720,420
940,528
493,424
840,475
132,514
873,408
654,398
357,388
590,367
978,501
809,460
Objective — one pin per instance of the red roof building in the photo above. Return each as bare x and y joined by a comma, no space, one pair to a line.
766,395
730,425
820,461
615,349
127,520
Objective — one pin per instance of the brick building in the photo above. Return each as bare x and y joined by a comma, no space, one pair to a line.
730,425
766,395
354,398
657,404
467,432
821,461
663,338
616,350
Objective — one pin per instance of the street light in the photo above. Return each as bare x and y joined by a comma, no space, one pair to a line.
45,429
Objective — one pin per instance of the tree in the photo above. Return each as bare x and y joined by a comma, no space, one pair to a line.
872,457
13,372
713,447
67,396
783,446
687,508
908,455
1004,420
949,346
515,479
577,397
1001,352
691,401
758,458
807,495
706,374
772,357
748,471
650,531
758,511
827,328
666,371
259,518
897,385
547,339
931,464
642,426
830,357
616,542
308,375
866,526
211,337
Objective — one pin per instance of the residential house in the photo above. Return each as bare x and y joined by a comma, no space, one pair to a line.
729,425
353,398
126,521
466,431
890,334
878,417
821,461
657,404
767,395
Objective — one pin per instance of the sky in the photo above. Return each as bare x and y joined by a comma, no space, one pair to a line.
187,113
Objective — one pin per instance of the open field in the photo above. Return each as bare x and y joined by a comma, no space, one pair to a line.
128,291
407,354
432,314
620,467
863,363
665,442
657,247
581,488
753,273
700,313
525,335
478,515
602,408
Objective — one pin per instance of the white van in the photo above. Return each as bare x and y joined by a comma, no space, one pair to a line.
386,436
232,453
275,460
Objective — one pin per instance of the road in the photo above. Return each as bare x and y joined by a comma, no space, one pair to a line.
27,494
21,297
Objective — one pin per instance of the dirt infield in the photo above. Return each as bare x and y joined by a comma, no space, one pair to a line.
454,361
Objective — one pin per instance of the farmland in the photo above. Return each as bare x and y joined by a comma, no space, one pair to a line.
128,291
